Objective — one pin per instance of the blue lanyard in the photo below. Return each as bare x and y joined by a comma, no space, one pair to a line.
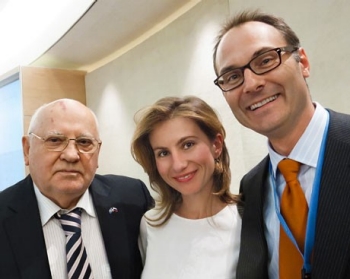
311,220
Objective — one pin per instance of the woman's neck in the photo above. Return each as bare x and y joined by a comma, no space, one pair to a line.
194,208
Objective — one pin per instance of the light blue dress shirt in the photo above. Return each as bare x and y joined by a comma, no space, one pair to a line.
306,151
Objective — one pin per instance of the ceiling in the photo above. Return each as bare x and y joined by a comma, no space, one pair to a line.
108,28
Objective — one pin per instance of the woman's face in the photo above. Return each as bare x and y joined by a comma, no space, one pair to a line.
185,156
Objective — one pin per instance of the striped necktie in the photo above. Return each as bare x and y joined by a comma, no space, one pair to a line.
78,266
294,210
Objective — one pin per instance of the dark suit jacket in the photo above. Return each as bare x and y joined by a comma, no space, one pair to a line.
22,245
331,258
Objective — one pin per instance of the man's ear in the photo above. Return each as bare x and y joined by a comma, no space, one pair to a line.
304,63
26,147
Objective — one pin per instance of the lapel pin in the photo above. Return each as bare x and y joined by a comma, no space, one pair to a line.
113,210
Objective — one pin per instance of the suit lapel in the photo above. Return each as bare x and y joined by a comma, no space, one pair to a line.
25,234
252,261
113,227
333,226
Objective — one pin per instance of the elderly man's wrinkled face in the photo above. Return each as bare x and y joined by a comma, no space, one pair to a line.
62,176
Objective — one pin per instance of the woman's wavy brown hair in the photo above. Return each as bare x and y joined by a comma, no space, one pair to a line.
207,120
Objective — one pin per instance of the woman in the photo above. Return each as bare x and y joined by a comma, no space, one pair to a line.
194,230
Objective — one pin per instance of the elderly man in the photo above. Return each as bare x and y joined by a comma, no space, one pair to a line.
63,220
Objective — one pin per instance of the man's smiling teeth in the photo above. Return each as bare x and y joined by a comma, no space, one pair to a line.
260,104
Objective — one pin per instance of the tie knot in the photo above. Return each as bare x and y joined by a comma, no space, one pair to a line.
289,169
71,221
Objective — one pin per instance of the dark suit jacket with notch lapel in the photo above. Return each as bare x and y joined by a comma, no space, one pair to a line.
331,258
22,245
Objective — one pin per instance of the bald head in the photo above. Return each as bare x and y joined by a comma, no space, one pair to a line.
61,106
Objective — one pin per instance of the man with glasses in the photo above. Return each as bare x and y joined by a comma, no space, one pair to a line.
261,70
61,150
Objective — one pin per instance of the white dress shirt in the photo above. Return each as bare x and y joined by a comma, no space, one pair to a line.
55,239
306,151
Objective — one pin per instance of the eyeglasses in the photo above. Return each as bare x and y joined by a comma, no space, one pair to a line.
60,142
261,64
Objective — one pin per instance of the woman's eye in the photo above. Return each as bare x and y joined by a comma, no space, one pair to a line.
187,145
162,153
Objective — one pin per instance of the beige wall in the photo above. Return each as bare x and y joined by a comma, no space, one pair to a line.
178,61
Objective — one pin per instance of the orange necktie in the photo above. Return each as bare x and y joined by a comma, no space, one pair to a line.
294,210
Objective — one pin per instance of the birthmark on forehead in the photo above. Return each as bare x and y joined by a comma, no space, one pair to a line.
63,106
59,106
49,118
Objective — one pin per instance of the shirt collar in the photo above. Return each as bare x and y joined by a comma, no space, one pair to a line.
306,151
47,208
